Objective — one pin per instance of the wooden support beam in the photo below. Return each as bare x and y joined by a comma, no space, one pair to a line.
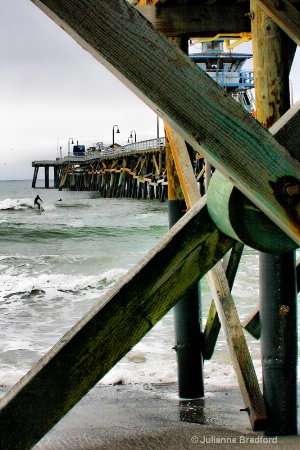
197,19
184,167
285,15
174,187
286,130
222,305
247,379
111,328
35,174
213,324
155,165
273,49
185,97
252,324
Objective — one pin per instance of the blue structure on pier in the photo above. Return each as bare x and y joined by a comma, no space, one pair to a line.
226,68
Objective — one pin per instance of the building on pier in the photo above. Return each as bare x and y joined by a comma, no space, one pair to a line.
226,68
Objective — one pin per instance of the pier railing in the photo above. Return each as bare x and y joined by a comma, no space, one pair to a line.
241,79
149,144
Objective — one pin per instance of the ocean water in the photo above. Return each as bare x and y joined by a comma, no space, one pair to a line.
57,264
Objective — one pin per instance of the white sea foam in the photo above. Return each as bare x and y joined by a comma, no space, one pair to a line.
51,278
16,203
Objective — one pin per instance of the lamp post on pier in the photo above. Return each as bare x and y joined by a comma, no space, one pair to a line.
113,134
131,137
69,148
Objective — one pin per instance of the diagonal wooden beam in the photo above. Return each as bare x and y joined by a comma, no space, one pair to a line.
110,329
242,362
184,167
209,119
285,15
287,130
213,324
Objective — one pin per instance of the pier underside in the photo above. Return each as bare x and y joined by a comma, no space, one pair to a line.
209,121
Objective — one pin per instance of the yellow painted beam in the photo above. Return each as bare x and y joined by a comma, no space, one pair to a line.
184,167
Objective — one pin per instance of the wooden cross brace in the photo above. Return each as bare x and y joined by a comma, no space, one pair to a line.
213,123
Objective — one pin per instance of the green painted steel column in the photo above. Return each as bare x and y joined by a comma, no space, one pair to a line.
187,312
278,315
187,325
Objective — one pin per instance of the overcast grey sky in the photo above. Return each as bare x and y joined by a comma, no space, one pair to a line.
51,90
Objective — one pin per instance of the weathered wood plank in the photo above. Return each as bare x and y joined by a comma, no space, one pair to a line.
186,98
243,365
213,324
231,264
286,16
110,329
211,331
174,187
184,167
252,324
287,130
197,20
273,49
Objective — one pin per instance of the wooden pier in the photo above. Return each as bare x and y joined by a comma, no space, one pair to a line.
134,170
263,165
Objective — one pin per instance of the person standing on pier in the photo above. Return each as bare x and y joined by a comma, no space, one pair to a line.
36,201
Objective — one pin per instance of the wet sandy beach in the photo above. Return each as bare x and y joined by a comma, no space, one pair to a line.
151,417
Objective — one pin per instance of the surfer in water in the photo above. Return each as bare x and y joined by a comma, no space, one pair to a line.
36,201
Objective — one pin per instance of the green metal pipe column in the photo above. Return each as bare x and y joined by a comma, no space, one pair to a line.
278,314
187,325
187,312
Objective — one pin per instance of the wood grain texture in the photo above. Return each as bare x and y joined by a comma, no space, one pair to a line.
286,16
272,50
174,187
286,130
242,362
110,329
197,20
209,119
213,325
184,167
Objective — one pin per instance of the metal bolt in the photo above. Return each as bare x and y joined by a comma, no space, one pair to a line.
250,15
244,410
293,190
284,310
